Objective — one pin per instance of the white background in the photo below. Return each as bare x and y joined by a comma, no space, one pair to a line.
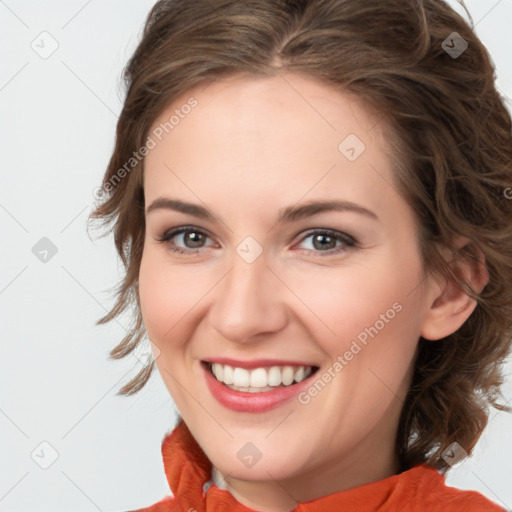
57,124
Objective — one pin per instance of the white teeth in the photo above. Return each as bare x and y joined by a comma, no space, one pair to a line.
228,375
274,376
249,389
299,374
259,379
287,375
218,371
240,377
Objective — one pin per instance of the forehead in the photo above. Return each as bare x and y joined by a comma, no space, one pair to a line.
286,136
255,103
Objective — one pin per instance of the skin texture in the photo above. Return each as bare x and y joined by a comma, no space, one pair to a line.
250,147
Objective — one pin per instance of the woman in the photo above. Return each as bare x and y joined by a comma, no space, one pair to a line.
309,199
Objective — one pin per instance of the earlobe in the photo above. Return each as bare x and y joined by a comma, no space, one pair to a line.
452,306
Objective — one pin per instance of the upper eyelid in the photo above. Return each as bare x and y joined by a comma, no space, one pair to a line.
179,230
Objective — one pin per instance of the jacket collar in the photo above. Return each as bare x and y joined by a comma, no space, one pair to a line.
189,474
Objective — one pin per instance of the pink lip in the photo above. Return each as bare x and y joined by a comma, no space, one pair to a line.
242,401
256,363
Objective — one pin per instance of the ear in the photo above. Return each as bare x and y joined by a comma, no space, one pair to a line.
450,306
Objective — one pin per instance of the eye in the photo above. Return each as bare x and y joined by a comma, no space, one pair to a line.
190,236
324,241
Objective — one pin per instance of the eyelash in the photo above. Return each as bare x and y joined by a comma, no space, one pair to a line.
348,241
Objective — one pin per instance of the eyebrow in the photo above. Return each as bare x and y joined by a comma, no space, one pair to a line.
288,214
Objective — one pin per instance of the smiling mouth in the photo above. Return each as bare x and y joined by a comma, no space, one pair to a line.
261,379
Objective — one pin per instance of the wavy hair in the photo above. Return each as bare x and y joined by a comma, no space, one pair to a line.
450,137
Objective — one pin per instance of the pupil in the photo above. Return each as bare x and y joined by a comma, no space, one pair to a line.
318,238
194,238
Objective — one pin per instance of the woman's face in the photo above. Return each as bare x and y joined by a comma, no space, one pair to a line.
261,281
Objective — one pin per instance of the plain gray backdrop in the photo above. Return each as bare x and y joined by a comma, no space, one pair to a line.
67,442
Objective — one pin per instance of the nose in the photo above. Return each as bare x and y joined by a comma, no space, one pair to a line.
248,302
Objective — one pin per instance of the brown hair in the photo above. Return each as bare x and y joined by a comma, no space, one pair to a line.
452,147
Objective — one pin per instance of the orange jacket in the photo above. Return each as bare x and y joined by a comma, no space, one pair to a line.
420,489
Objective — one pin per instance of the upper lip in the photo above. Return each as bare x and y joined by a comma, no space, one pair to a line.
255,363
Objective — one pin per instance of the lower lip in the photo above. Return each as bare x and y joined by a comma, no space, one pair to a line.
242,401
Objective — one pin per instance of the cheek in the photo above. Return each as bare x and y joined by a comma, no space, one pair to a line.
348,302
164,296
369,331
